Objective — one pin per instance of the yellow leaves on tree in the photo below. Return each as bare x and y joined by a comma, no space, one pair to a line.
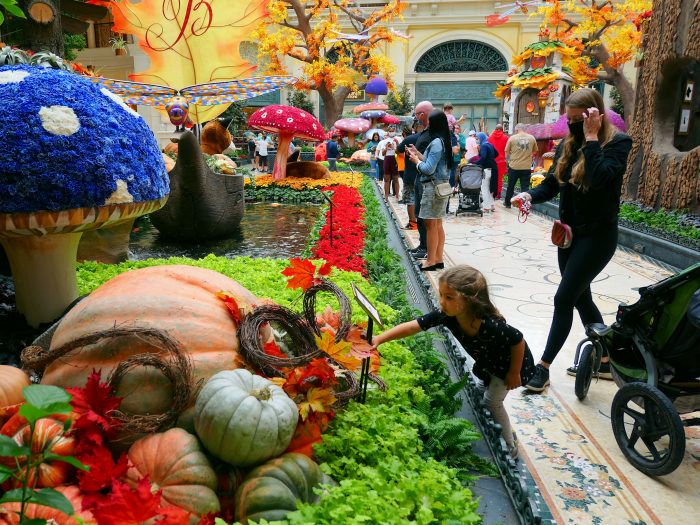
190,42
591,25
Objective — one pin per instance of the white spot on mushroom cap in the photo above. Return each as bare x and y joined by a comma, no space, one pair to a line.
121,195
59,120
12,77
119,100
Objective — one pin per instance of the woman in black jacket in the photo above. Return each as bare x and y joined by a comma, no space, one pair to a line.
587,175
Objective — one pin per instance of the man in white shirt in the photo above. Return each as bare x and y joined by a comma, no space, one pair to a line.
262,153
386,150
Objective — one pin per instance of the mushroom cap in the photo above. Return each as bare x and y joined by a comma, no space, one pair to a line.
373,114
390,119
70,144
377,86
353,125
369,107
279,119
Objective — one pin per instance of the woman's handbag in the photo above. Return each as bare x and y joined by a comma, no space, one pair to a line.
444,189
561,235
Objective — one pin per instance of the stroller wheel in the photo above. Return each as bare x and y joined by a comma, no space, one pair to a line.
584,371
648,429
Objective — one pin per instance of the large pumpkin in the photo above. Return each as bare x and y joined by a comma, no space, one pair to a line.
12,381
174,462
181,300
271,491
244,419
9,512
48,437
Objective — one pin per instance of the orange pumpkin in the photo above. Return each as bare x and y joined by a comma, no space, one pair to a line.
48,437
174,462
9,512
12,381
181,300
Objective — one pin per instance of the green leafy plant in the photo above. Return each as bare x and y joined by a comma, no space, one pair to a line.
400,101
301,100
72,44
675,222
41,401
11,7
117,42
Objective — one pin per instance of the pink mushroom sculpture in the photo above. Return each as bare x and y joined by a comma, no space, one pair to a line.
288,122
370,106
392,120
352,126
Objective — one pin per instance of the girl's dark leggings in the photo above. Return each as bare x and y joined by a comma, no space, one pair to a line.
578,265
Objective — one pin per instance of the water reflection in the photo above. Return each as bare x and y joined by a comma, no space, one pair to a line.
267,230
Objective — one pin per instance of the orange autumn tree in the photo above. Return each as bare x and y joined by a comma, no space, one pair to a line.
607,34
336,41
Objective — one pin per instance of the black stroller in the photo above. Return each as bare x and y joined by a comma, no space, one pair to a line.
469,184
654,350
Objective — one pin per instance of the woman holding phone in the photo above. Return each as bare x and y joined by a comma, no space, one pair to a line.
433,168
587,172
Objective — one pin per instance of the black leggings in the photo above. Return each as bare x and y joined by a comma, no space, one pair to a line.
578,265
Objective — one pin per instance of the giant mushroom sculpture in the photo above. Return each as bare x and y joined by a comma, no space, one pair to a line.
352,126
375,87
288,122
75,158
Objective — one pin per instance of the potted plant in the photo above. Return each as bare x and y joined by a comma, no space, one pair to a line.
118,44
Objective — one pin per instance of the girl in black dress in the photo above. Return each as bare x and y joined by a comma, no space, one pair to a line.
502,359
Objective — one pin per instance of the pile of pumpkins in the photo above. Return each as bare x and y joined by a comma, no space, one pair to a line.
244,422
240,421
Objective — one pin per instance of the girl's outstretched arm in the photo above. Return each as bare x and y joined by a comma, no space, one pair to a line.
398,332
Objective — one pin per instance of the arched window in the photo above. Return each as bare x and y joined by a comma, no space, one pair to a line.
461,56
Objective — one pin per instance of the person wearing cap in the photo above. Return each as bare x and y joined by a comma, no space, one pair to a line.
332,153
471,146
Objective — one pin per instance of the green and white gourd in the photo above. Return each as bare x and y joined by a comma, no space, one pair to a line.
244,419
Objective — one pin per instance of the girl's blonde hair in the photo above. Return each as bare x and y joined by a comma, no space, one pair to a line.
471,284
583,98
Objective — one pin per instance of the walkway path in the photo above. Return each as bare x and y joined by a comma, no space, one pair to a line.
568,445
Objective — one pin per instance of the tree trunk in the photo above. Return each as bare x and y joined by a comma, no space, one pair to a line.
44,37
333,102
614,77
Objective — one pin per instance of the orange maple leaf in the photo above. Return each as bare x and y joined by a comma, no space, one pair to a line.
302,273
340,352
329,318
317,400
360,347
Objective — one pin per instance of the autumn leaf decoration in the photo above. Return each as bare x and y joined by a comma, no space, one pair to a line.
303,273
341,352
237,313
189,42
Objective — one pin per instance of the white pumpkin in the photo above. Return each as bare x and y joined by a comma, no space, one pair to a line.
244,419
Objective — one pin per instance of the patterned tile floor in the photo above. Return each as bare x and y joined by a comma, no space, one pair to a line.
567,444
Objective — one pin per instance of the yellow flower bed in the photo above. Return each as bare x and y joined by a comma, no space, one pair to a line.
337,178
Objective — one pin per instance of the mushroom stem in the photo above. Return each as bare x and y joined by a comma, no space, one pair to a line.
43,268
280,170
351,139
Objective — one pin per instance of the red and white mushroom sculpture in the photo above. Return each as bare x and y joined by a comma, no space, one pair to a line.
390,119
370,106
352,126
288,122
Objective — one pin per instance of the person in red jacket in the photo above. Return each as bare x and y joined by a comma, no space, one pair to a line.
498,139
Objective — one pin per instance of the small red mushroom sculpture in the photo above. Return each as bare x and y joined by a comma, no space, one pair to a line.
288,122
352,126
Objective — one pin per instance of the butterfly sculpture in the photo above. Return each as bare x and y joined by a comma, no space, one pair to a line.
497,19
177,102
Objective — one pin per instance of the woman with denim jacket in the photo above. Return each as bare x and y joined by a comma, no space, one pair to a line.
434,168
587,176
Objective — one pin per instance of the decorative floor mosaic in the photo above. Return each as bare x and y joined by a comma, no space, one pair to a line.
568,445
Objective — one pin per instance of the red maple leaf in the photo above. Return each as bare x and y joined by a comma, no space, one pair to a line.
325,269
329,318
318,372
95,404
302,273
124,505
272,349
232,305
171,515
103,468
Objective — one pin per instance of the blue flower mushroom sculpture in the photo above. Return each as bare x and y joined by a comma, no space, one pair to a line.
75,158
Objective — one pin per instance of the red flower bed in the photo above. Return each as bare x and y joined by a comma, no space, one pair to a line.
348,231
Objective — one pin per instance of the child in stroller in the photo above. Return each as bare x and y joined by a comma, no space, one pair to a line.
469,184
654,350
